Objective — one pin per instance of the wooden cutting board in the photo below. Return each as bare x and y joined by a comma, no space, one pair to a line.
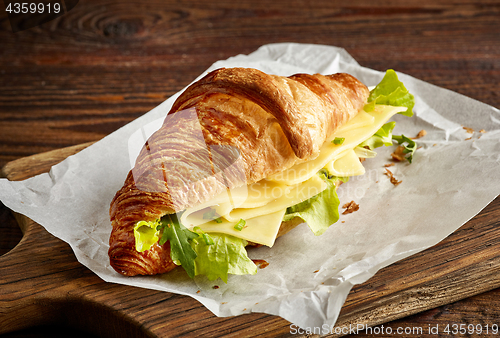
41,282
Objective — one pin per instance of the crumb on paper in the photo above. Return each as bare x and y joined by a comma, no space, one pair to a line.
198,291
472,131
391,177
350,207
261,264
398,154
223,302
420,134
343,221
316,271
389,165
215,287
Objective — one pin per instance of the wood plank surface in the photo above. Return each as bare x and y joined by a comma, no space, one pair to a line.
80,77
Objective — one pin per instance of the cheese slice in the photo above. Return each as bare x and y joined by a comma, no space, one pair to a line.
345,166
263,192
362,119
295,195
261,229
262,223
246,197
358,129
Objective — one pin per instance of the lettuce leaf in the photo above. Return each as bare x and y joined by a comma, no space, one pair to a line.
407,149
392,92
146,235
227,255
206,237
215,255
321,210
383,137
179,236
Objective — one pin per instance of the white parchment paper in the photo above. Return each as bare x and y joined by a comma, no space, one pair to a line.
308,278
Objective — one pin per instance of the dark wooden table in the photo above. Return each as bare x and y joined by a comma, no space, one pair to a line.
83,75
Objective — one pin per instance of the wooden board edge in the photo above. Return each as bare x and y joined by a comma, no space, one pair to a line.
38,163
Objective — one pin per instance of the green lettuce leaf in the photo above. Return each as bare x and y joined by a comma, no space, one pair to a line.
321,210
215,255
408,149
392,92
146,235
227,255
179,236
383,137
206,237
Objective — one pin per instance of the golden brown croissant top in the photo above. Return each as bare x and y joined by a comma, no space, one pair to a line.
233,127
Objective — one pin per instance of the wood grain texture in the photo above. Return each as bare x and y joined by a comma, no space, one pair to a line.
80,77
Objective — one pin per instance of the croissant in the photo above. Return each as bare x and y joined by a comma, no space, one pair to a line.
253,124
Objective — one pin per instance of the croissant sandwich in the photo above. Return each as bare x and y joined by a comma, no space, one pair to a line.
242,158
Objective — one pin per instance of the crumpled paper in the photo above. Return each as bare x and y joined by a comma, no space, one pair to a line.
451,179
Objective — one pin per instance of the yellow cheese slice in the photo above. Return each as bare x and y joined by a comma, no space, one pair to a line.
262,192
362,130
346,166
252,196
295,195
362,119
261,229
262,223
192,217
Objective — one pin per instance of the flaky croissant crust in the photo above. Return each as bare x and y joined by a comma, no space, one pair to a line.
233,127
